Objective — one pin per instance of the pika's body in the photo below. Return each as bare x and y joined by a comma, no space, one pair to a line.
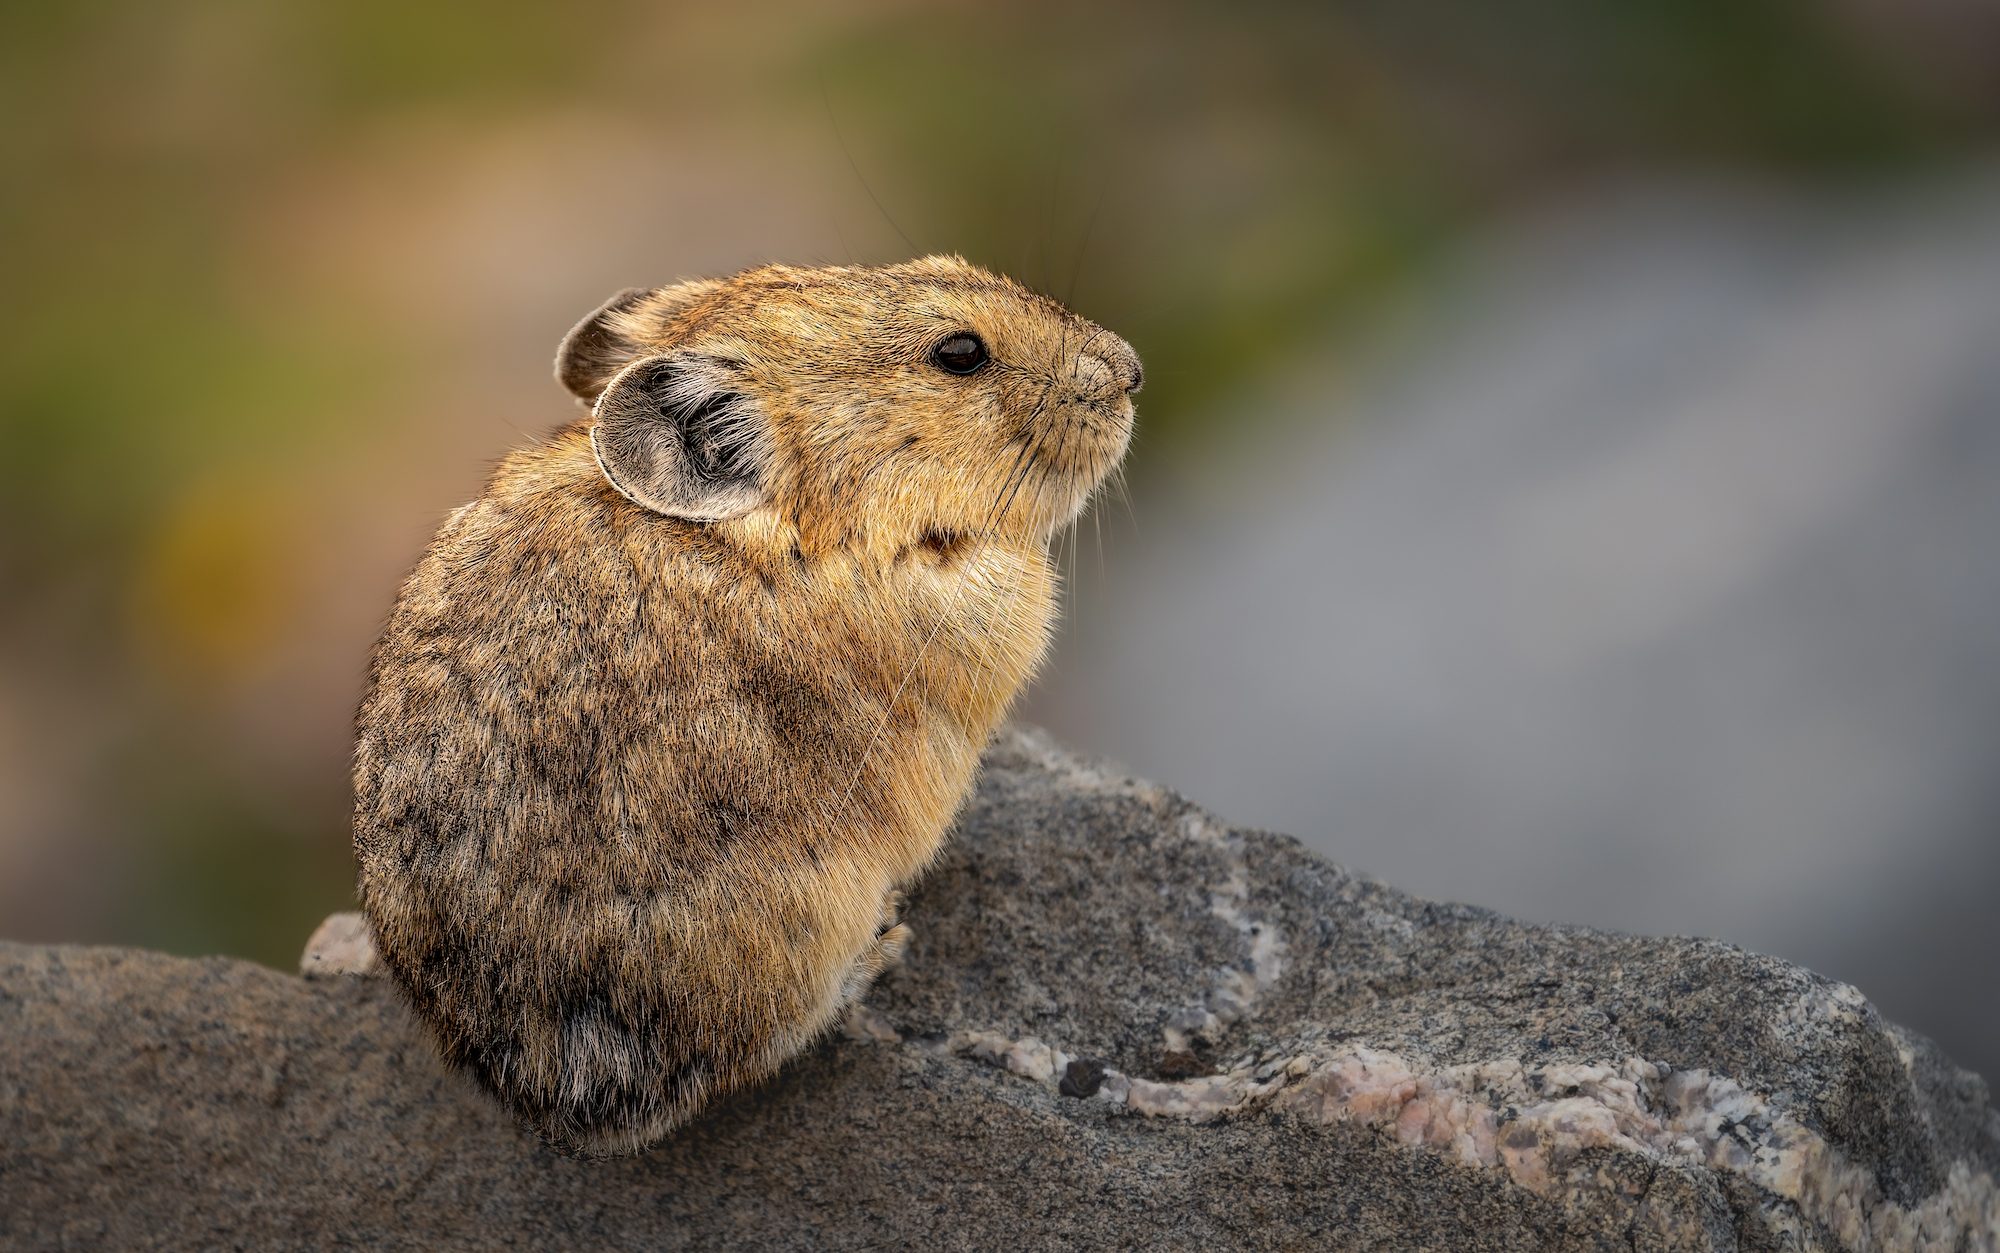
662,721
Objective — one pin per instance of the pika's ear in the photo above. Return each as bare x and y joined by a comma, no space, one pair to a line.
678,434
635,322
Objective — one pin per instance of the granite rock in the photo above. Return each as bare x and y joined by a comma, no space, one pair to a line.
1121,1023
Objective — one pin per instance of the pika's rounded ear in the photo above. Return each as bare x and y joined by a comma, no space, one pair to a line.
678,434
637,321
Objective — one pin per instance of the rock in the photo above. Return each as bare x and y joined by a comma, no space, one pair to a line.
1121,1024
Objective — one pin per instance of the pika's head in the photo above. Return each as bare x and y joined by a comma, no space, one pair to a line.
891,404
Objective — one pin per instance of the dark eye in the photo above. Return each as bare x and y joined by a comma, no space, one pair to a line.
961,354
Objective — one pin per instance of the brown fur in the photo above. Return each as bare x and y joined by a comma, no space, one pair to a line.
635,790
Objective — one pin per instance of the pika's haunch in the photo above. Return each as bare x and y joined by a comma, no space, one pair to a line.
663,720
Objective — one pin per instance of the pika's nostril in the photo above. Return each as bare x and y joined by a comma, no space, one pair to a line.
1137,379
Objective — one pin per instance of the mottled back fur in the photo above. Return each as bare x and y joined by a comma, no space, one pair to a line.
663,719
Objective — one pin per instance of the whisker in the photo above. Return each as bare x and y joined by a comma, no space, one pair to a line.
826,101
1049,221
1097,529
1089,225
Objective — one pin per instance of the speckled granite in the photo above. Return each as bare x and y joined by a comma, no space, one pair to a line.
1121,1024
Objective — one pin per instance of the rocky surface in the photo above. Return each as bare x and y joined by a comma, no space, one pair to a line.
1121,1024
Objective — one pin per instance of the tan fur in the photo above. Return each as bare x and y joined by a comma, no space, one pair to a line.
635,792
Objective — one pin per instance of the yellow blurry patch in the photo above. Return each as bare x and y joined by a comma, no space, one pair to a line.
215,588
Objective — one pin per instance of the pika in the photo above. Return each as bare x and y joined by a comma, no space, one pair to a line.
663,722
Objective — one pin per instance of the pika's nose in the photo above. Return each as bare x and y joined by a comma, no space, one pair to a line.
1119,361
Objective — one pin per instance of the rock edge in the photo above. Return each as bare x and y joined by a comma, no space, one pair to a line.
1122,1022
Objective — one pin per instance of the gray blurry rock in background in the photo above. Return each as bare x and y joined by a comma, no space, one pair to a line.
1647,577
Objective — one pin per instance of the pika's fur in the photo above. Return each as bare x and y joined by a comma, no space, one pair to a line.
664,719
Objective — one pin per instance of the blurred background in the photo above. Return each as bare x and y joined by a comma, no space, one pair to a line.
1569,476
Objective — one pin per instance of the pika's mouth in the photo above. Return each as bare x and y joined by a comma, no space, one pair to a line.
1081,444
1117,412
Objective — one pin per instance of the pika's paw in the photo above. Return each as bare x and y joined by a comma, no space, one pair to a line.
889,946
882,953
891,912
343,945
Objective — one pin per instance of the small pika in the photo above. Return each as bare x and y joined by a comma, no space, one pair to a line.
663,722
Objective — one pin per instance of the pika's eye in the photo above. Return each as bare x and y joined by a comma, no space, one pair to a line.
961,354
